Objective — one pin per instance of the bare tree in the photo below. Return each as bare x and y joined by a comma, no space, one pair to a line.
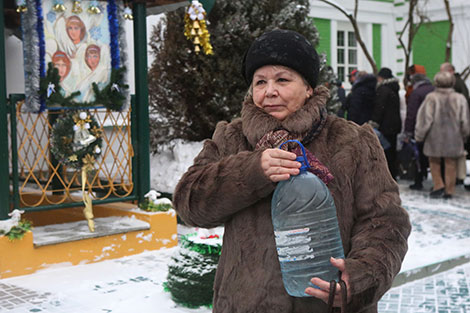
352,17
451,30
412,26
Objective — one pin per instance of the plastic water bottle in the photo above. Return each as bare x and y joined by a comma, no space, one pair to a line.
306,230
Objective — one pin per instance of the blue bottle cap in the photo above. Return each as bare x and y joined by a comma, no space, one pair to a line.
304,166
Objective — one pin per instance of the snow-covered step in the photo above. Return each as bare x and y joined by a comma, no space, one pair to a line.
104,226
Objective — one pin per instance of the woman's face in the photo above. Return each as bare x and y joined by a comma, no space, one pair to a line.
92,60
62,68
74,32
279,90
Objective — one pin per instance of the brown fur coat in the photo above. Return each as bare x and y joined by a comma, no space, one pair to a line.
226,185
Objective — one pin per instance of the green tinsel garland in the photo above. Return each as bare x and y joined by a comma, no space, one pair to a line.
110,96
62,141
191,274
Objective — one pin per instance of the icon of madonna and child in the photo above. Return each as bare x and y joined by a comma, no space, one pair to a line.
78,45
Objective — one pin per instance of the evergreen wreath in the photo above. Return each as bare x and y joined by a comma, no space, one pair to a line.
63,133
111,96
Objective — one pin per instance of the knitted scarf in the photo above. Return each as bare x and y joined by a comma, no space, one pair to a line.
274,139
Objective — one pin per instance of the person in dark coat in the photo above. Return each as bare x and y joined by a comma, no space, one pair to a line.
386,115
341,92
360,101
233,179
342,112
421,87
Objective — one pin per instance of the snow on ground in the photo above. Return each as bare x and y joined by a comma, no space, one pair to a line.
441,230
129,284
168,166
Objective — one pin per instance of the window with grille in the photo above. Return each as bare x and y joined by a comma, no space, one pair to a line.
346,53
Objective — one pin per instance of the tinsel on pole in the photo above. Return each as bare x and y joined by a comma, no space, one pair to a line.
195,28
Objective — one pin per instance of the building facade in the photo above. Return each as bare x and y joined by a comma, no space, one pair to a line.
381,22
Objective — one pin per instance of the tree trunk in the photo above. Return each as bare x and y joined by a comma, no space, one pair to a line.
353,20
449,35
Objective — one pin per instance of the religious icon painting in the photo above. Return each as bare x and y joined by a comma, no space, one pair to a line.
83,40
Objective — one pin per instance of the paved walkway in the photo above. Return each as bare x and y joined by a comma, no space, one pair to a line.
439,224
447,292
12,296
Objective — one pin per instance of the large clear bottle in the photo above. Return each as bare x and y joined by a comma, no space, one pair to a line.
306,230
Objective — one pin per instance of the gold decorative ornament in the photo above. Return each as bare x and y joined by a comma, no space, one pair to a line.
76,142
93,8
21,9
195,28
77,8
128,13
59,7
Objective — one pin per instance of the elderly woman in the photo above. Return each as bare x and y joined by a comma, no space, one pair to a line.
234,176
443,124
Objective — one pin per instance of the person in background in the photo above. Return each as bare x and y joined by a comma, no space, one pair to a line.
352,76
459,85
412,70
461,88
342,112
360,102
443,125
234,176
421,87
341,92
386,115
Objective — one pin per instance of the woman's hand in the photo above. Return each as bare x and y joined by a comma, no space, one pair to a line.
324,286
278,164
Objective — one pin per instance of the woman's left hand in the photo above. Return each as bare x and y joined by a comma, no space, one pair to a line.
323,292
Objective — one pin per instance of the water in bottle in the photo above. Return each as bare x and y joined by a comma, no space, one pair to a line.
306,230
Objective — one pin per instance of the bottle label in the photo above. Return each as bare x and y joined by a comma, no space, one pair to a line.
293,245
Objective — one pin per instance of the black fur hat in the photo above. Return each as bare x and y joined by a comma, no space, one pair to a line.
385,72
282,47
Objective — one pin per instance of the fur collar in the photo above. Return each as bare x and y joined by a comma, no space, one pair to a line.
256,122
388,81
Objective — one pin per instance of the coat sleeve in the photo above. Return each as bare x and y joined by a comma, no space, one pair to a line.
380,101
217,186
381,227
425,118
414,101
465,120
